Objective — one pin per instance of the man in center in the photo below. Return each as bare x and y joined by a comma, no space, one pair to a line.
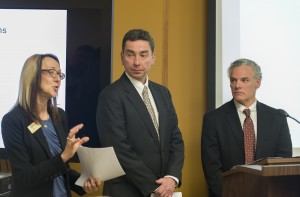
137,117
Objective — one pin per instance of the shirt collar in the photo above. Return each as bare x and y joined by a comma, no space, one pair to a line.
241,107
137,84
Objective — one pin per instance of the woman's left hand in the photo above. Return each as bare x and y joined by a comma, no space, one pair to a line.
92,184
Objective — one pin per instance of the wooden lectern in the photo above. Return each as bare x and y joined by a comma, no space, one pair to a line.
269,177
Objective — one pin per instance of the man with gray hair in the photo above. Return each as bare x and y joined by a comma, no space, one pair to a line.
243,129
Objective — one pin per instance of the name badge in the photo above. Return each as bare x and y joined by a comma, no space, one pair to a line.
33,127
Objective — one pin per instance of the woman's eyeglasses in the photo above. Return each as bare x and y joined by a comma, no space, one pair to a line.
53,73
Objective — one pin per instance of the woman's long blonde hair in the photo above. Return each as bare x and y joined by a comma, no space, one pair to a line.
29,87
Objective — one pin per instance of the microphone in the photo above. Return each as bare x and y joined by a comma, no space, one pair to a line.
284,113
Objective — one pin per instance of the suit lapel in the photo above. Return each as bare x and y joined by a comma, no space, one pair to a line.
137,101
261,127
161,108
234,122
39,135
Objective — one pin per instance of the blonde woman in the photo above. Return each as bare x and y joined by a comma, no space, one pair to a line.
36,136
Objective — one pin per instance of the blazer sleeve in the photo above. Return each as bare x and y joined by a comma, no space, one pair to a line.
274,139
285,144
72,178
210,157
71,175
174,141
279,138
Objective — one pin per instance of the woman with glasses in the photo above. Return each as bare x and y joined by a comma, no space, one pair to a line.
36,136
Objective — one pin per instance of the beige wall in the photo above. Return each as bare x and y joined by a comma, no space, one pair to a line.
179,31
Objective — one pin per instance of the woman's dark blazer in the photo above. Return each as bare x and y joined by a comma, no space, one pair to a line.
33,167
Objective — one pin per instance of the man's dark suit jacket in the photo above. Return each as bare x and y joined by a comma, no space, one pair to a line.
33,167
124,123
223,140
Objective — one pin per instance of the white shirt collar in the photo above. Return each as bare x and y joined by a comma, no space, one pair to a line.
137,84
241,107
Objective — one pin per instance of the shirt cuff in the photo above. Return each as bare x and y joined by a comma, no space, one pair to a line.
175,179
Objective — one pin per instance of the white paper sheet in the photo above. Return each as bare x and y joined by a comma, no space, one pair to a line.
175,194
98,162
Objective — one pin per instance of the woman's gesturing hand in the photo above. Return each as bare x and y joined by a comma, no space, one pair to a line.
73,143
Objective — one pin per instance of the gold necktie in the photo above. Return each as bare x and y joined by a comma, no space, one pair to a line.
149,107
249,137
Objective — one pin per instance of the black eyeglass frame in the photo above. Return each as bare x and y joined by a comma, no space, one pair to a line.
53,73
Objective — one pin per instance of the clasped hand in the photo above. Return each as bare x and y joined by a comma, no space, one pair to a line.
166,188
